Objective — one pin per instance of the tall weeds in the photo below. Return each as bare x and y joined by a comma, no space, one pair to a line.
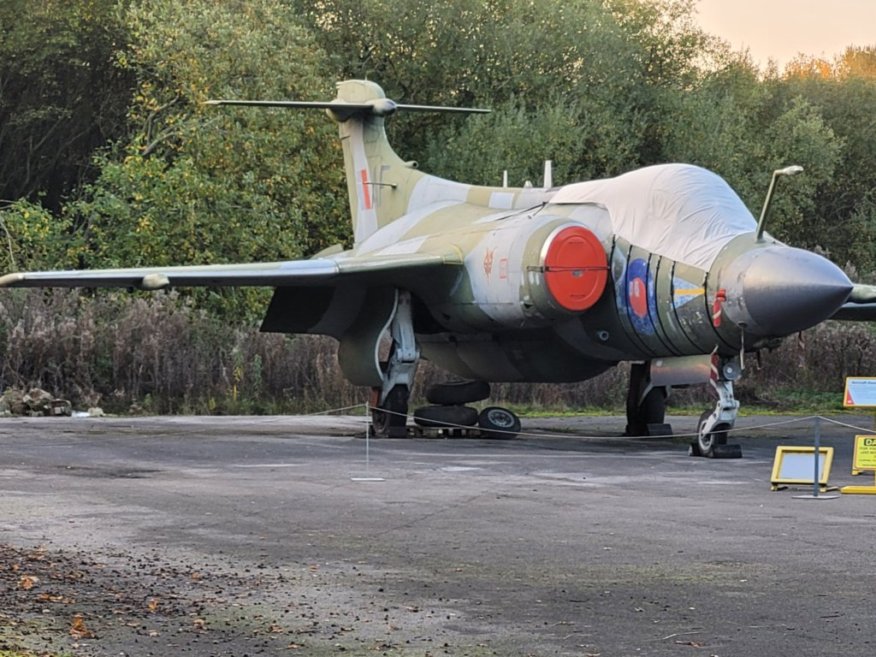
160,354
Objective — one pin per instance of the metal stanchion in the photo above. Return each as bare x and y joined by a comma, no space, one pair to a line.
367,476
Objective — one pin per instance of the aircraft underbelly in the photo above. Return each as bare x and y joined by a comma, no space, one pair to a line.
534,356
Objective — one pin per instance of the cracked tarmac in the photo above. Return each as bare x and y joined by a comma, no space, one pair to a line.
274,536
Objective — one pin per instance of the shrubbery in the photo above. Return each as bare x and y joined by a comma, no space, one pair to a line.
161,354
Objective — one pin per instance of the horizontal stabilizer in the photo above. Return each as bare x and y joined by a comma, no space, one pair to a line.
343,110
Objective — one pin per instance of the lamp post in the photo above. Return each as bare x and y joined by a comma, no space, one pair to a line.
787,171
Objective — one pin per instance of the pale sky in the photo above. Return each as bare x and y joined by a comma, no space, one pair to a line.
780,29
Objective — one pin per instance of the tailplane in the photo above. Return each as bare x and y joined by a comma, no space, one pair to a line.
379,183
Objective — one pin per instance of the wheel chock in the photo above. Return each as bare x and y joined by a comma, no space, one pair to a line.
728,451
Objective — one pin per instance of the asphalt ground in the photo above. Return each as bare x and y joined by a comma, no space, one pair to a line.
277,536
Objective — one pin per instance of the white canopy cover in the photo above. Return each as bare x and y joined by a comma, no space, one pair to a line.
679,211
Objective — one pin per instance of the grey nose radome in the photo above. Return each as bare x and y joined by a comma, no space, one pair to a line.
778,290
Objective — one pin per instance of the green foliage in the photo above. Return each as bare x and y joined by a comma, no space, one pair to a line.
602,68
844,93
32,238
200,184
60,94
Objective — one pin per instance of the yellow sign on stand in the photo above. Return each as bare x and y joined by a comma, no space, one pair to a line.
863,459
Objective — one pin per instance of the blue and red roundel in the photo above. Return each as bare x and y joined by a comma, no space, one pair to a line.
640,292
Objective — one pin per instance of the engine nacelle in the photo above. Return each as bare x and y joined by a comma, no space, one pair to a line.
528,274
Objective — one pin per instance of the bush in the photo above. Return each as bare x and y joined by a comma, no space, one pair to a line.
160,354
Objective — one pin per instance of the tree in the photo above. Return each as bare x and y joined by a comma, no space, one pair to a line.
60,94
199,184
843,91
602,68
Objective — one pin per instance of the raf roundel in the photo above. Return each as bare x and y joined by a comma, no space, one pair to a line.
576,268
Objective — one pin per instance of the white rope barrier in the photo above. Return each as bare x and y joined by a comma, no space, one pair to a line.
571,434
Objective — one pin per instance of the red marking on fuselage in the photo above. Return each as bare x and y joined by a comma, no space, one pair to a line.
503,268
488,261
366,192
638,297
718,307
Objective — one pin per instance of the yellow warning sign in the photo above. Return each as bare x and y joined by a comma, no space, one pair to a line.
865,453
864,459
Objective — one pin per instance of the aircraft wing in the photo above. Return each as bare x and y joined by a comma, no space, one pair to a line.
861,305
271,274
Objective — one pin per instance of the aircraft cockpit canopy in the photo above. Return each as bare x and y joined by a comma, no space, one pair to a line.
679,211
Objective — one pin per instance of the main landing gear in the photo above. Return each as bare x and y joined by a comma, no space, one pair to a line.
389,402
646,404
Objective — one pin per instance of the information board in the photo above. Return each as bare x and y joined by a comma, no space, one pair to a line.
860,392
795,465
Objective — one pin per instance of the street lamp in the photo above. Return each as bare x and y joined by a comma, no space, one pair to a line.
787,171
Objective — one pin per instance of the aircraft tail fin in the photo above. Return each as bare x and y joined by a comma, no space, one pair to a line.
379,182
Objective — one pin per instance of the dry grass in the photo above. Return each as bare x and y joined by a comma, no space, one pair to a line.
160,354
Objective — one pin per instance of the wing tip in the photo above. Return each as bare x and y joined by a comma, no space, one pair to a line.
9,280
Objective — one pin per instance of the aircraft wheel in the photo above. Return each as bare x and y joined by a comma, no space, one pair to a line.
457,393
497,422
446,416
652,410
389,420
706,444
653,407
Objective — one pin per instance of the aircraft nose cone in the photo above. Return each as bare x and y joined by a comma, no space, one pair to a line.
778,290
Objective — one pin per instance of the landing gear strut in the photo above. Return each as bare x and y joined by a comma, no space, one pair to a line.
389,402
646,403
711,439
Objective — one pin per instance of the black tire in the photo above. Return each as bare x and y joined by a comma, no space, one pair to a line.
457,393
390,419
653,407
706,444
446,416
496,422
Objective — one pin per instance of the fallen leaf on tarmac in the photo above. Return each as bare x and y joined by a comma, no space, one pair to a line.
48,597
295,646
78,630
276,629
152,605
27,582
692,644
200,624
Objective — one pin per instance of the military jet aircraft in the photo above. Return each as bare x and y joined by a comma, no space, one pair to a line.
663,266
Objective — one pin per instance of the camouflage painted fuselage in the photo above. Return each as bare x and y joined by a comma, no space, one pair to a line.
550,284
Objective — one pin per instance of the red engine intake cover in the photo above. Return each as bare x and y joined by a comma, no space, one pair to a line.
575,268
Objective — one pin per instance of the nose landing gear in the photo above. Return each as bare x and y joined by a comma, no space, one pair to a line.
711,439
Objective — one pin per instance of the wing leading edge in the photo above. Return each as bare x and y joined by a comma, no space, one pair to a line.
860,306
272,274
